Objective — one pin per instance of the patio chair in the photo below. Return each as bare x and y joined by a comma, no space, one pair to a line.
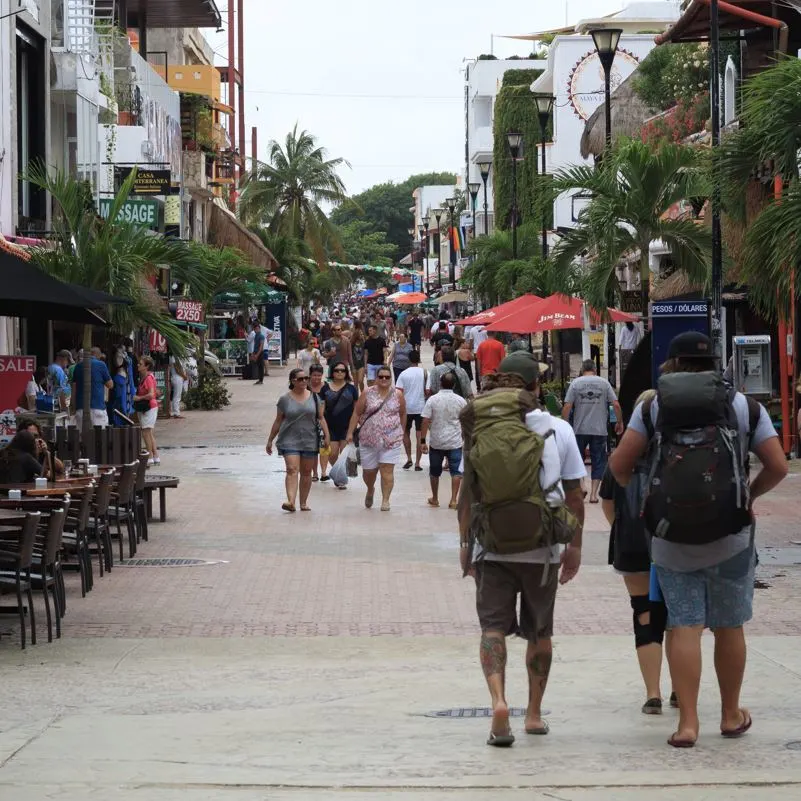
122,506
99,526
75,541
16,562
47,573
140,501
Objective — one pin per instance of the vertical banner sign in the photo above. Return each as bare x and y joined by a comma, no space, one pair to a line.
15,372
275,320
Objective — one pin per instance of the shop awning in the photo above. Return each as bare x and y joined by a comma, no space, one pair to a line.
226,230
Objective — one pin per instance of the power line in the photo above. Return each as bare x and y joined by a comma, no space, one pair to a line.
450,98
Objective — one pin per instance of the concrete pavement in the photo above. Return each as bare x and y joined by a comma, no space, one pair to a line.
303,661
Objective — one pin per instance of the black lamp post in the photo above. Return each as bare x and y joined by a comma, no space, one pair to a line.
451,204
420,230
438,216
514,139
484,168
544,107
606,41
473,189
717,249
412,232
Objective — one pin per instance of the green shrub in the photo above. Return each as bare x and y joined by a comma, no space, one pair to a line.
210,393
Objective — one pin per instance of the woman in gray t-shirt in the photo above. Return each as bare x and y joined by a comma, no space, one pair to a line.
296,430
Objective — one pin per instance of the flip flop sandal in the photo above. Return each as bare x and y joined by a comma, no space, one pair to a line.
408,465
287,507
653,706
314,478
543,730
418,469
368,501
501,740
305,508
384,507
325,478
674,701
740,730
453,506
677,743
431,502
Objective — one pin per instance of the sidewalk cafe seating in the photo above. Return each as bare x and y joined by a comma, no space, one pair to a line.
76,537
16,558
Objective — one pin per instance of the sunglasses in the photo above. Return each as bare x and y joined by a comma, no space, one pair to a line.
339,371
301,378
384,377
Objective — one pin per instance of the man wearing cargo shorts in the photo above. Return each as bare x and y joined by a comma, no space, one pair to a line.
533,575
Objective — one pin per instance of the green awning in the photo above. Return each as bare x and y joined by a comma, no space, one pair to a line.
257,294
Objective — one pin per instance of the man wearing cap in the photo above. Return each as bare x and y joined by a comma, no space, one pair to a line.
57,373
588,397
533,575
706,584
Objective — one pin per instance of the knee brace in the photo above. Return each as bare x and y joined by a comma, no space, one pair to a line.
645,633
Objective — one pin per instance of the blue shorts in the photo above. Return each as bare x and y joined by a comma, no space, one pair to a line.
295,452
598,455
719,597
436,458
372,371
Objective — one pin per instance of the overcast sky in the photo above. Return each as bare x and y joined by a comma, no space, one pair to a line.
378,82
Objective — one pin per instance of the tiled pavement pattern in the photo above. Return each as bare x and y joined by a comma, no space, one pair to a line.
340,570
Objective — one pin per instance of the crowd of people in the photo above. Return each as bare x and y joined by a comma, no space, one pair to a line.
676,490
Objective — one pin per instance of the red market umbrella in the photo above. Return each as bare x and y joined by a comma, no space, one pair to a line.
411,298
496,312
553,313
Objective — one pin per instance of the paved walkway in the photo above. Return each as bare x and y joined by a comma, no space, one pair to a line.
303,659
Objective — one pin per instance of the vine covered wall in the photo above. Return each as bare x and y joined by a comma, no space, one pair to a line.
515,110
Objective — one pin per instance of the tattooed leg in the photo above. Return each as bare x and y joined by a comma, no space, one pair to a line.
493,663
538,663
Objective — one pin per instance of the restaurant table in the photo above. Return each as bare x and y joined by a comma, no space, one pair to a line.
162,484
59,487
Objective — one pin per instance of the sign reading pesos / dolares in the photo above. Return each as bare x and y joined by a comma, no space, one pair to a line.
144,213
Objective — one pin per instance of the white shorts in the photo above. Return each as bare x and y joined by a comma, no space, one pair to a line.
148,419
99,418
372,457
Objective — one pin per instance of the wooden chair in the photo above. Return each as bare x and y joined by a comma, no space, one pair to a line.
122,506
16,561
76,538
140,501
99,525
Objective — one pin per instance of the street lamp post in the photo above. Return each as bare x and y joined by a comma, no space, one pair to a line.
420,231
438,216
514,139
473,189
451,204
717,249
484,168
606,41
544,106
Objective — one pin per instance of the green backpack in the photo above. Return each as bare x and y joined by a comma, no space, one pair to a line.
509,512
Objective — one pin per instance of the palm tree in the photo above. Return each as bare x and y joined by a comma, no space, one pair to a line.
115,257
494,274
769,139
285,194
295,268
632,191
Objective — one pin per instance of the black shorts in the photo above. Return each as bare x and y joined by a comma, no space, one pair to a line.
415,420
497,586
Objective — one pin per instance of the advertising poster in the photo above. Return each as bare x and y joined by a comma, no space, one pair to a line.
275,320
15,372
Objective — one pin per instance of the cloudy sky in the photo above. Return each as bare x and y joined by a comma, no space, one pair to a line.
379,82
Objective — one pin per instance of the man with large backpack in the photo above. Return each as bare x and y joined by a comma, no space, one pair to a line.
697,434
521,501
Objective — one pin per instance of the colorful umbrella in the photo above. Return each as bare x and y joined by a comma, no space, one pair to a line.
411,298
553,313
496,312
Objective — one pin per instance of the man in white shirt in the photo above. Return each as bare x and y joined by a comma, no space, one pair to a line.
441,418
412,383
532,575
477,334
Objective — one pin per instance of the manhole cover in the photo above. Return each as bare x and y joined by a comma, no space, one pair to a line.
793,745
477,712
165,562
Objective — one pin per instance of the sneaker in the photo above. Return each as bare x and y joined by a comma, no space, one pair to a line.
157,460
151,462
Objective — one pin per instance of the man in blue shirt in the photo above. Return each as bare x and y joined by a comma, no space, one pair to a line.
100,381
57,373
257,356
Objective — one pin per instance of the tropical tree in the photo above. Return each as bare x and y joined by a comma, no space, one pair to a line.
295,268
107,255
496,276
285,193
768,140
632,191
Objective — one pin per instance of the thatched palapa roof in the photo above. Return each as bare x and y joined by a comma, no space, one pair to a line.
226,230
629,113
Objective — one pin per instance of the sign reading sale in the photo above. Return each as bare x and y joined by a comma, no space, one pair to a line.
15,372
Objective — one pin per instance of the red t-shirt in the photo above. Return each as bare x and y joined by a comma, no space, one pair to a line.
489,355
148,383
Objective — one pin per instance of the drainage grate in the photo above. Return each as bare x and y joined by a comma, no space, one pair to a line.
167,562
476,712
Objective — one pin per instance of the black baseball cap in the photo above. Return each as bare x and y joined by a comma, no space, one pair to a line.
691,345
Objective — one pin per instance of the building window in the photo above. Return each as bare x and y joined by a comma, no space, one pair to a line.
482,110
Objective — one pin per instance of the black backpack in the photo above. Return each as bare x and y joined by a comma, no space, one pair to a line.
697,488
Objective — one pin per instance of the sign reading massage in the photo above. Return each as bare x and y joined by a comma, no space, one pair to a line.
140,212
148,182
